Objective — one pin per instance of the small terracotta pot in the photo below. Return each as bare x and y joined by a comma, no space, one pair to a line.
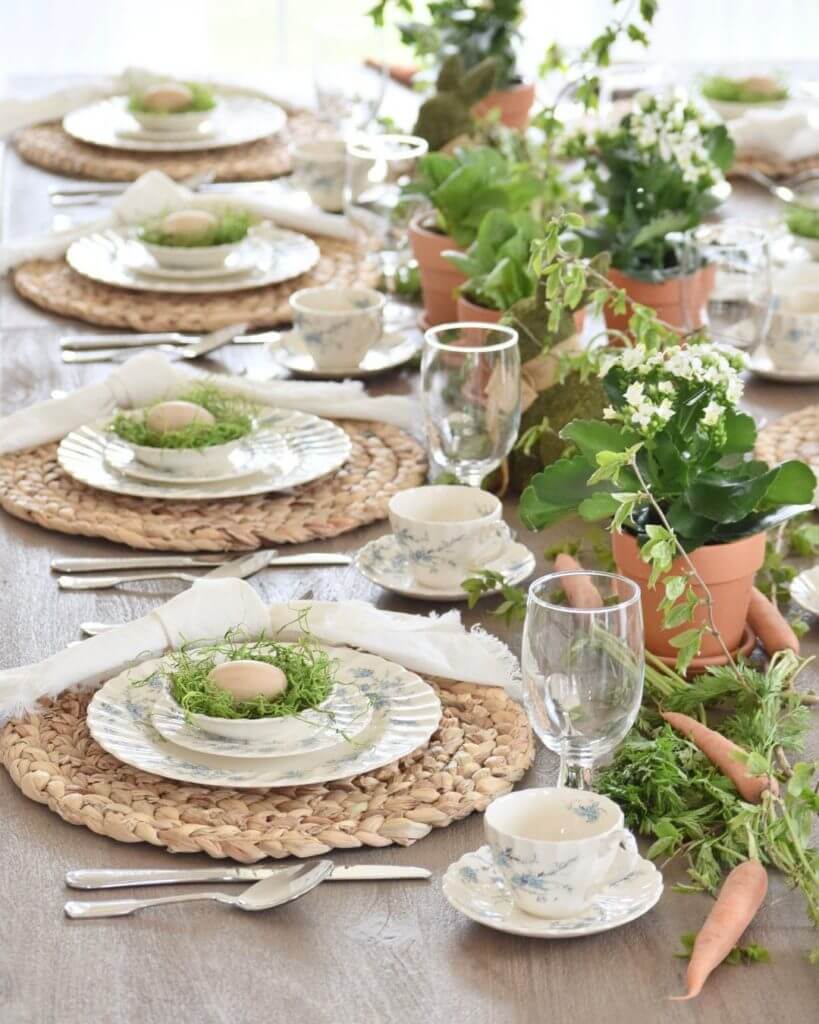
514,104
666,297
439,279
728,571
468,310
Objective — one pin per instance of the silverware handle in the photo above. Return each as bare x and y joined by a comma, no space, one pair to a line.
86,188
114,878
101,582
121,908
310,559
96,355
86,342
137,562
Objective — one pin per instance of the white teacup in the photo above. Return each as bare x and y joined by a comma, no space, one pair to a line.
555,848
792,341
447,532
338,326
319,168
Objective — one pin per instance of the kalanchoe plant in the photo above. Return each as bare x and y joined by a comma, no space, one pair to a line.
653,175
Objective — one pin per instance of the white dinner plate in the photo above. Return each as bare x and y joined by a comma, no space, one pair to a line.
235,121
405,713
307,447
268,254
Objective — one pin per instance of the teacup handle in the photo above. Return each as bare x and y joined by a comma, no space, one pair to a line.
498,532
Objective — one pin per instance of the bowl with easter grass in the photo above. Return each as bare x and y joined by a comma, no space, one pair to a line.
195,239
173,107
733,97
194,434
803,224
257,690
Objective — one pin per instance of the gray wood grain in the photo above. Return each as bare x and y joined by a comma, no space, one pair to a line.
393,953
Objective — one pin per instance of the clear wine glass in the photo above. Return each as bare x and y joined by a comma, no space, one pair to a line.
583,664
470,392
378,166
348,92
731,297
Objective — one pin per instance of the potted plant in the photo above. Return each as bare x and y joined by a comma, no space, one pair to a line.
474,29
654,174
668,465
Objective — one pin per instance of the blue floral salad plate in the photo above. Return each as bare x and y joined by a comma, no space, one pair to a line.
473,886
405,712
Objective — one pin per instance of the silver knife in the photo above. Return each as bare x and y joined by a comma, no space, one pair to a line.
84,342
239,568
143,562
115,879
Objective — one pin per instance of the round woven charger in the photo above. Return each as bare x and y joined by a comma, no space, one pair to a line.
54,286
384,460
771,165
48,146
481,747
795,436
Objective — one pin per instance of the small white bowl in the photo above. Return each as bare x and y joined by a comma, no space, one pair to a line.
730,110
202,462
180,124
810,245
292,730
193,257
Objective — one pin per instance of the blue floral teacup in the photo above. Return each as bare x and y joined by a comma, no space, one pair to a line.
555,848
446,533
338,326
319,168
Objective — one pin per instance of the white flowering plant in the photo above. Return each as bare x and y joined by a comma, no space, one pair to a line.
653,175
670,461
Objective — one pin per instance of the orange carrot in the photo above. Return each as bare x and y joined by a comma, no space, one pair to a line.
721,752
580,590
770,625
739,899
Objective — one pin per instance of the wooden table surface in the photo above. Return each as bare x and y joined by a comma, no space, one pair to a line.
361,953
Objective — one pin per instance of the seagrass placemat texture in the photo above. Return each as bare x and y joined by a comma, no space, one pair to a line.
795,436
48,146
773,166
483,745
384,460
54,286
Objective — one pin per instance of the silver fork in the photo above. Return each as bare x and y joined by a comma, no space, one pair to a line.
194,350
89,193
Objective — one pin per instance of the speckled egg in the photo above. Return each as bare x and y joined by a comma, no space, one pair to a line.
168,416
167,96
245,680
188,223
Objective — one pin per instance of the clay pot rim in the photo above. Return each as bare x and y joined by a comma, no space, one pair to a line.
709,552
626,602
671,276
521,86
479,305
417,224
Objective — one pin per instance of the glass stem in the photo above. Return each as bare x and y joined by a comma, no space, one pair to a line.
576,776
470,477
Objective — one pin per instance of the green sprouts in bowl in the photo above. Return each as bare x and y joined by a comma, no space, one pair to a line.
231,227
202,100
802,221
755,89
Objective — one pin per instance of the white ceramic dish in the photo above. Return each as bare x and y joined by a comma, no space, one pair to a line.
383,563
810,245
238,119
234,265
165,125
805,590
762,365
729,110
198,257
306,448
473,887
405,713
270,255
393,350
194,463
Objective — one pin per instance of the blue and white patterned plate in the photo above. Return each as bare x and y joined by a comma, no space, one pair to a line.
405,713
383,562
474,887
342,717
394,349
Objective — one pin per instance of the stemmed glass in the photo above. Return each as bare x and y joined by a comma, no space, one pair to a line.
583,666
470,392
348,93
730,296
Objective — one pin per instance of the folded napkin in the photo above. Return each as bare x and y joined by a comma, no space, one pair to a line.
787,134
154,194
438,646
150,377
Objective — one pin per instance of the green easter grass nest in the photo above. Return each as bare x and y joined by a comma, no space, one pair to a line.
736,90
234,420
803,222
201,101
232,227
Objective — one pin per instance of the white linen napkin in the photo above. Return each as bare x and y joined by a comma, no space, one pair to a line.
150,377
154,194
787,134
438,646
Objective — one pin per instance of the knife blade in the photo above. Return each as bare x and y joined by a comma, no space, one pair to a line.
90,342
79,565
117,879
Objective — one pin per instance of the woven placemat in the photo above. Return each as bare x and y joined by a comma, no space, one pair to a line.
54,286
48,146
481,747
384,460
771,165
795,436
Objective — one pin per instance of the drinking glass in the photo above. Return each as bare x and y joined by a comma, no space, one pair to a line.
378,166
583,666
348,93
731,296
470,393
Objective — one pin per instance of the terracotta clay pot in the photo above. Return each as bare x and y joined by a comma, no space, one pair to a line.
468,310
514,104
439,279
666,297
728,571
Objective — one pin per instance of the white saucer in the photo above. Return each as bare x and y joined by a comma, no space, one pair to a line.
805,590
473,886
383,562
760,363
394,349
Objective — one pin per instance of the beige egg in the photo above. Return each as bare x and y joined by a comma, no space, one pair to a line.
762,84
167,416
169,96
245,680
189,223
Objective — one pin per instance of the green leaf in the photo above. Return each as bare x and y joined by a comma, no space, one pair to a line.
594,436
598,506
556,492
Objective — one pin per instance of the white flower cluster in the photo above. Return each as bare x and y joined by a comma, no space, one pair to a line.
675,131
658,379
